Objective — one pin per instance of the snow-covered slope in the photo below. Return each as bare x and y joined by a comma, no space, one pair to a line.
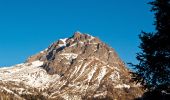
28,73
75,68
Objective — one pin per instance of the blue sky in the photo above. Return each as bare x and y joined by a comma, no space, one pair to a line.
29,26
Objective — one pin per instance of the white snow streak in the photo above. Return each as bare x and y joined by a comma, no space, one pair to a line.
90,75
122,86
69,56
74,44
100,94
83,69
91,37
102,73
64,42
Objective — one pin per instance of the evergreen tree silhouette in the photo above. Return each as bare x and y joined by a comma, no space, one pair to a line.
153,69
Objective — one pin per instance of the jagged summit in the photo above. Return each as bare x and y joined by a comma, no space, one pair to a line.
77,34
74,68
74,42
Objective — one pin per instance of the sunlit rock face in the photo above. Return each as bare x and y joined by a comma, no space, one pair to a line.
75,68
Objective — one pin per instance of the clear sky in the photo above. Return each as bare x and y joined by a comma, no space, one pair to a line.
29,26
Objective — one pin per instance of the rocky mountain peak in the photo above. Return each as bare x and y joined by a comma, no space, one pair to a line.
77,34
76,68
78,47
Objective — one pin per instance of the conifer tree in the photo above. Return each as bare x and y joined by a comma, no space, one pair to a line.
153,69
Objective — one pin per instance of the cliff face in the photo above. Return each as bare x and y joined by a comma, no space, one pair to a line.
75,68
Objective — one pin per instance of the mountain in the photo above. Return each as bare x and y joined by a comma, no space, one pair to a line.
81,67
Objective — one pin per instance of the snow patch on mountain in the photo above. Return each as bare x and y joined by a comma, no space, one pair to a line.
64,42
29,73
